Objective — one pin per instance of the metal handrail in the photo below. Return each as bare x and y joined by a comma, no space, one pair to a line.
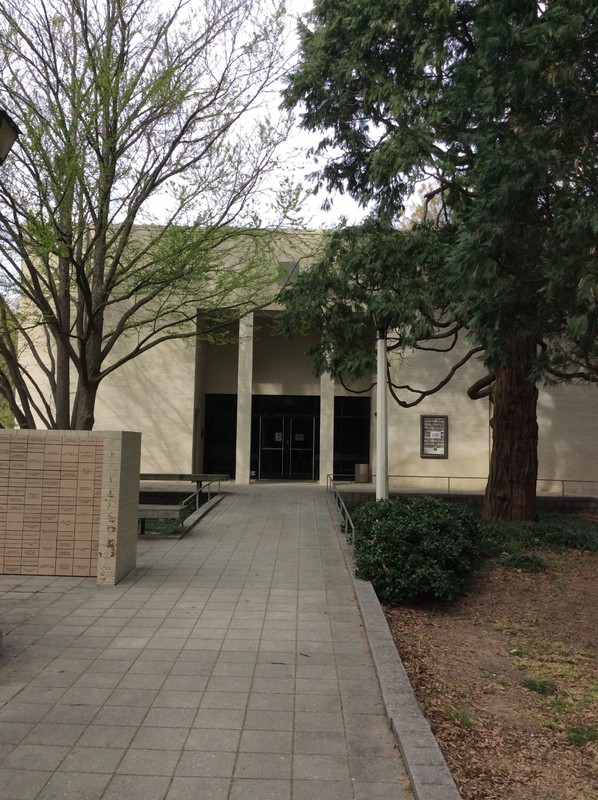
197,492
449,478
347,525
563,481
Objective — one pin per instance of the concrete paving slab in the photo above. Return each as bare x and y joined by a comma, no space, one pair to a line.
232,663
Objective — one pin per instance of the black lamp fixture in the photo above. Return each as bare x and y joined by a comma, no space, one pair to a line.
8,134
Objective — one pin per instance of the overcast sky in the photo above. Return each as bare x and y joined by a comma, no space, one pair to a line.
342,205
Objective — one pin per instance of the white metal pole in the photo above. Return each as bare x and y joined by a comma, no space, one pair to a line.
381,419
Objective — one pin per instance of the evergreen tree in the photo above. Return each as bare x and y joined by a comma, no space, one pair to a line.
495,102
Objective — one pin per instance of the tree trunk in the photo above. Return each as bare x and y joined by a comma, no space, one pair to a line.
83,417
511,489
63,387
88,379
63,360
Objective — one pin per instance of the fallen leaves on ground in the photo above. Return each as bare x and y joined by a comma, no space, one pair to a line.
467,662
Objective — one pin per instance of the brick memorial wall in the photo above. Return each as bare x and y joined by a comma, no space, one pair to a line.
68,503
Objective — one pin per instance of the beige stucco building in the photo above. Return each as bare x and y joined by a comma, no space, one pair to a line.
254,409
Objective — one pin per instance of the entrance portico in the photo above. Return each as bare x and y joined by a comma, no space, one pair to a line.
272,418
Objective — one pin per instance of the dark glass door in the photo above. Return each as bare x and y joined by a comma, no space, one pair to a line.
286,449
272,445
302,431
351,434
220,434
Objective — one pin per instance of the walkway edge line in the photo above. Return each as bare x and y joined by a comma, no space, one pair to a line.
426,767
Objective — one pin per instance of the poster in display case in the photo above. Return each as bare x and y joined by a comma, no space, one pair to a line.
434,437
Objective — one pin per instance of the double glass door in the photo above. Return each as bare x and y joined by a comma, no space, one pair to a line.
286,447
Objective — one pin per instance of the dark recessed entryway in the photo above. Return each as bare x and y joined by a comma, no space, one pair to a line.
285,436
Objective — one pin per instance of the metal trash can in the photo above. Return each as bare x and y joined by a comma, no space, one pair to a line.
362,473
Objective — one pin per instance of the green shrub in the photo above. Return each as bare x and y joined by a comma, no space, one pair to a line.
415,548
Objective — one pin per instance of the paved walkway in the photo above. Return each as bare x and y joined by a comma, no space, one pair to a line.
231,665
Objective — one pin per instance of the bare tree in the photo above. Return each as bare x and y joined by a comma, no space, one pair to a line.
133,199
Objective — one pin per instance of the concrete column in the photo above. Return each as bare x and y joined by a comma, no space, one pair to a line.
326,427
244,390
119,510
381,419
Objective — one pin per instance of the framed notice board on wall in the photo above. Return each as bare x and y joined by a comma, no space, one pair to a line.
434,437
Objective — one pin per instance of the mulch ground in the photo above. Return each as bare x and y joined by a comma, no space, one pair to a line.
470,664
